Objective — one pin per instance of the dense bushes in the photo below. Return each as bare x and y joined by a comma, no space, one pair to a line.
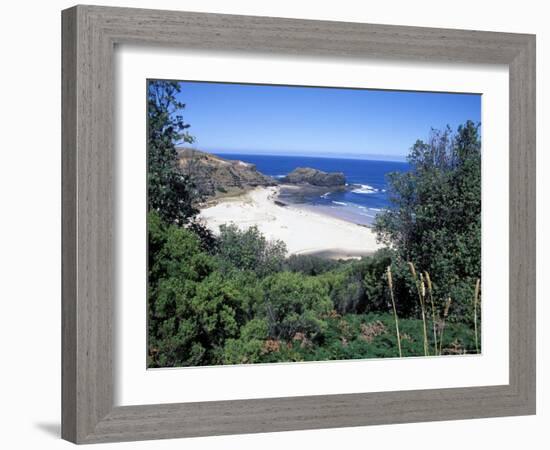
250,346
294,303
242,303
250,250
309,264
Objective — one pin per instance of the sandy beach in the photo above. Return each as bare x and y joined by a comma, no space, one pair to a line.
304,231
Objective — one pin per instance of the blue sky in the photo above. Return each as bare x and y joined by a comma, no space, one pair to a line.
353,123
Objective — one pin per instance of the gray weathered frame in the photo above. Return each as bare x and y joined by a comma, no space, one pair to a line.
89,34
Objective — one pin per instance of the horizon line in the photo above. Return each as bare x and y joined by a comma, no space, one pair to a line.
366,157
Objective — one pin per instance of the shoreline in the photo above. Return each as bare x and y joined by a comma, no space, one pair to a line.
305,232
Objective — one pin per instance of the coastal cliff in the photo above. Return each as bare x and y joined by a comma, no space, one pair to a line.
214,176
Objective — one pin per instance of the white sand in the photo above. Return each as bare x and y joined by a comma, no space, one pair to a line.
303,231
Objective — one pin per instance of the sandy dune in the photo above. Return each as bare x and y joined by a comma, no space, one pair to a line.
303,231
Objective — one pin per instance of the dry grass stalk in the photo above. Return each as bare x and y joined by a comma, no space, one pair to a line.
430,293
413,271
390,284
445,314
423,306
421,289
476,299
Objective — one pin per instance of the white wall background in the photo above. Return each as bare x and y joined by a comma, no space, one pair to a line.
30,222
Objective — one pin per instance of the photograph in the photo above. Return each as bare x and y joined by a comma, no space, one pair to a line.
290,224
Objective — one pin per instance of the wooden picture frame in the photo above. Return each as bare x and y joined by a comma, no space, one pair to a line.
89,36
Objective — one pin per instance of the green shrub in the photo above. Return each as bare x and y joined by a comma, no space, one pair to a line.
294,303
359,286
192,307
249,347
310,264
250,250
345,290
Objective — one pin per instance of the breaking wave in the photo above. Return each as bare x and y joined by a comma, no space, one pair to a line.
364,189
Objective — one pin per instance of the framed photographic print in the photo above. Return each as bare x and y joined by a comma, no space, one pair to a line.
278,224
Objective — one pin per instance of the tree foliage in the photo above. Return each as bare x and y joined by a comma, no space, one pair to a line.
435,220
250,250
170,192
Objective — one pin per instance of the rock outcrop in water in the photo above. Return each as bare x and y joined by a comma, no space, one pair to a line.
314,177
214,176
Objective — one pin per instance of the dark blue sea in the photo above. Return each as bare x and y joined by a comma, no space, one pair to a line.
366,196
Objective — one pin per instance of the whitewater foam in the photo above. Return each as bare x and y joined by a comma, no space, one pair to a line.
364,189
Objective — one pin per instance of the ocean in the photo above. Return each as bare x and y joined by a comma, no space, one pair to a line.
359,204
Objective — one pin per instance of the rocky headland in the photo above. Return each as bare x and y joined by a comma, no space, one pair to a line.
214,176
314,177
